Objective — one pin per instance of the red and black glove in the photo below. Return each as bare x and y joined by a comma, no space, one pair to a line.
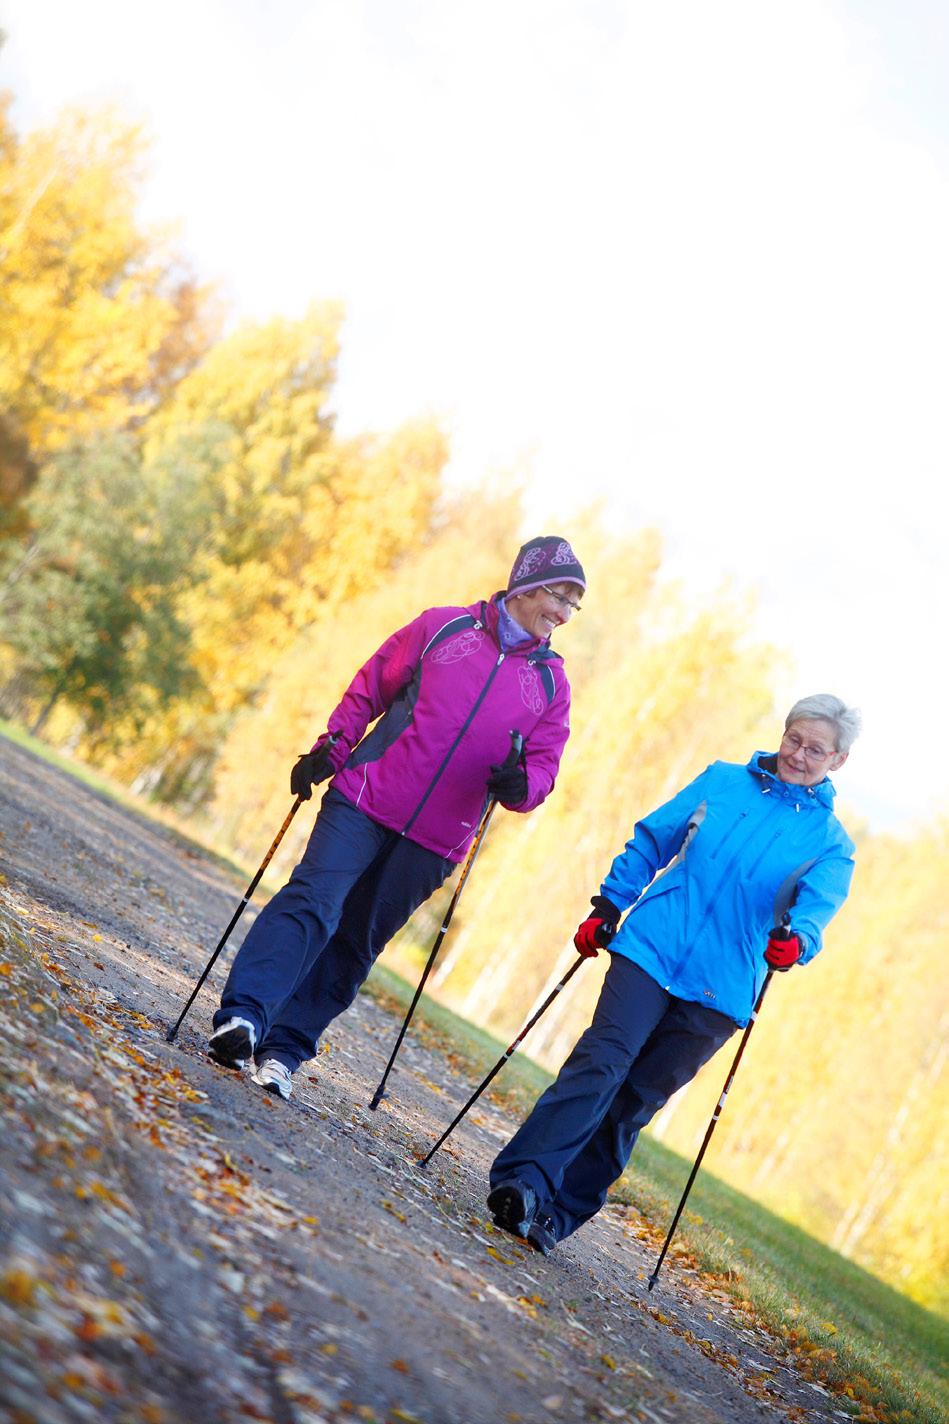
784,949
310,769
597,929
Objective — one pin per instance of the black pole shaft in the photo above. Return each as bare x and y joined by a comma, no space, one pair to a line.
379,1094
711,1127
172,1033
503,1059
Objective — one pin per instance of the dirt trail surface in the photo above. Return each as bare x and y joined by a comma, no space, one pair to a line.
176,1245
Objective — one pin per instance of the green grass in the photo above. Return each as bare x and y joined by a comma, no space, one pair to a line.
846,1326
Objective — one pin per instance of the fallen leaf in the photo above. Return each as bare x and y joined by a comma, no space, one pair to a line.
18,1287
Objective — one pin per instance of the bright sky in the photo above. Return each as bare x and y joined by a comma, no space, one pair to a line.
691,258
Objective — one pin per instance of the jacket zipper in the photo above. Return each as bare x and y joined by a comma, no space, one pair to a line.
451,750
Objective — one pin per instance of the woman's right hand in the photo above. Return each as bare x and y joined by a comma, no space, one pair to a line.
596,931
310,769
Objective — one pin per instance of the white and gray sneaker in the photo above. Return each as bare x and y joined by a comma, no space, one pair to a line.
275,1077
232,1045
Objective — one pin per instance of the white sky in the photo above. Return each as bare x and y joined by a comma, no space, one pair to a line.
690,257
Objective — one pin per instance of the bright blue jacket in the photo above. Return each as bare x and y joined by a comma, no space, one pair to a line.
742,848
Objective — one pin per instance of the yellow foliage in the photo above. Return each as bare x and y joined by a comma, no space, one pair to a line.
298,524
94,317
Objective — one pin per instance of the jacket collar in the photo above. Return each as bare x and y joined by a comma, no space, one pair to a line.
764,766
489,613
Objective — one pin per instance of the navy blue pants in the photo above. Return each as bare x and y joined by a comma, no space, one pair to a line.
312,946
642,1046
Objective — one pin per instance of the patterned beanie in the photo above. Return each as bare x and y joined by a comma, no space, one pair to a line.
548,559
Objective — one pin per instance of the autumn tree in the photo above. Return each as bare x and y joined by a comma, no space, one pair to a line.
98,320
91,595
300,522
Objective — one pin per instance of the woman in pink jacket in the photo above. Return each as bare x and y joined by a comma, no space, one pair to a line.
404,802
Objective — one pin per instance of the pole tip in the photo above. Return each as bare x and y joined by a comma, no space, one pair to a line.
171,1035
652,1282
377,1099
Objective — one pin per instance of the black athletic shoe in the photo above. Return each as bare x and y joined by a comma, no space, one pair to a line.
541,1235
232,1045
513,1204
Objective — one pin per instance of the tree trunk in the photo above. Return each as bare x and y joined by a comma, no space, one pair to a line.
43,717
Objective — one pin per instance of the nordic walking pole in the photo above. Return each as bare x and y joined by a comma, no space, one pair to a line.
172,1033
711,1127
503,1059
517,742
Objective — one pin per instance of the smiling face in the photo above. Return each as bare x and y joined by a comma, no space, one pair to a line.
544,609
808,751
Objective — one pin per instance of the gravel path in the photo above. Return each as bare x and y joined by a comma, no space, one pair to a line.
176,1245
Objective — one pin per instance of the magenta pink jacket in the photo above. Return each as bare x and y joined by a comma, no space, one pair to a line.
447,699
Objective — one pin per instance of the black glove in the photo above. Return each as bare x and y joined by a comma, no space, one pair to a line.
509,783
310,769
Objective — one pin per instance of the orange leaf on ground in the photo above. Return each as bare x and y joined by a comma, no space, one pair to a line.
18,1287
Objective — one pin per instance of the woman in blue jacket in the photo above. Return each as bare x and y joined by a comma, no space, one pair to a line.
750,856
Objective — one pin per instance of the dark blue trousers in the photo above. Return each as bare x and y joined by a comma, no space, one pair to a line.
642,1046
312,946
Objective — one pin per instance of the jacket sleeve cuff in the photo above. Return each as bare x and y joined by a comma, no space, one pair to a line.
339,751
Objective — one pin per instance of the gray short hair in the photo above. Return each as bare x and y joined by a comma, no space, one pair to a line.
825,707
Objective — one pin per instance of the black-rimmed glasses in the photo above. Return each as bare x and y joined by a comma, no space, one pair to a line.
562,599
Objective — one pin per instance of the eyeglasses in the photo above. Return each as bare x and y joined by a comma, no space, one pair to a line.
811,753
561,599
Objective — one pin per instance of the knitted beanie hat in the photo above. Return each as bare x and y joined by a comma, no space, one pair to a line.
548,559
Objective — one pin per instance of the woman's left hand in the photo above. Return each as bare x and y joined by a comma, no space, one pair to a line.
509,783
